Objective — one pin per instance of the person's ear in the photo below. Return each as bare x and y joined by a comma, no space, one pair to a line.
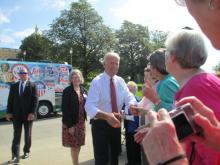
214,4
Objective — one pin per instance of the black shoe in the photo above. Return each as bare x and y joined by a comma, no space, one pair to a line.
14,160
26,155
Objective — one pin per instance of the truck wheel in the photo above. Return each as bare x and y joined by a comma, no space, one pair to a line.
44,109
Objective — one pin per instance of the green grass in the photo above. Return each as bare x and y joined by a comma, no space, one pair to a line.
139,93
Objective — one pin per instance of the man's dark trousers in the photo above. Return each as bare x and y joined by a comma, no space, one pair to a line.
17,125
106,142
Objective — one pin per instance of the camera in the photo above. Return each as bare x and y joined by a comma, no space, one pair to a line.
182,118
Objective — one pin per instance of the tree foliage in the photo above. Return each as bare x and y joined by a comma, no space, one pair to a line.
35,47
82,29
158,39
133,47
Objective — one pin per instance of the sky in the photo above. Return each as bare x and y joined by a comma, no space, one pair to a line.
18,18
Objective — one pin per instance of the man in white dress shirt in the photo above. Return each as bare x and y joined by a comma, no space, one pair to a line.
105,120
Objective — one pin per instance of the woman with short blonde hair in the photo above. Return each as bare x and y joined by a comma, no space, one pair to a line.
74,115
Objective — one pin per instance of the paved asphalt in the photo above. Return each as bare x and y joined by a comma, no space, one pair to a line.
46,147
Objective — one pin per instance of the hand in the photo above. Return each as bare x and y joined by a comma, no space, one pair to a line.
134,110
161,139
206,120
117,115
113,121
30,117
149,92
139,136
9,116
71,130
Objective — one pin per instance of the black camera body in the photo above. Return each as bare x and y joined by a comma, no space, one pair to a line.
183,118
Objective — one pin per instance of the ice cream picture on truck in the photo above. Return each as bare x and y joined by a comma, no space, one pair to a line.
50,80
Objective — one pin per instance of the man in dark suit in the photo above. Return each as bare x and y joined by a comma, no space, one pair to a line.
21,108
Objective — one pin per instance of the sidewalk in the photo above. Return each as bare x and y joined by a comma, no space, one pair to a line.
47,148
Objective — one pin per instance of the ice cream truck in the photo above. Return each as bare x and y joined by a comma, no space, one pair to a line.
50,80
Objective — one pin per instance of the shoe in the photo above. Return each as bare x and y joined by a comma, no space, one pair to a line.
14,160
26,155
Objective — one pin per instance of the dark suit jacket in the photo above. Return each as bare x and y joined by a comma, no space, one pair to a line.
22,106
70,106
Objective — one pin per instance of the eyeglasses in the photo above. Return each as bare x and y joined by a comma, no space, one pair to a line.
181,2
23,73
76,77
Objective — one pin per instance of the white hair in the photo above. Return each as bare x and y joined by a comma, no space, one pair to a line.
110,54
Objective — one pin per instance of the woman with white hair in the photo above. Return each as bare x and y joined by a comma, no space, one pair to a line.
206,13
185,54
133,149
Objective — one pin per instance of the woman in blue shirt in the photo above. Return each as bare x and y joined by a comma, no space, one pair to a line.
167,86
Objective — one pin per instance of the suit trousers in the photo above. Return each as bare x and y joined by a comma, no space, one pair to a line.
17,125
133,149
106,142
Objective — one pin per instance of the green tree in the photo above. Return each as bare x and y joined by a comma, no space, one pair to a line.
133,46
35,47
158,39
81,29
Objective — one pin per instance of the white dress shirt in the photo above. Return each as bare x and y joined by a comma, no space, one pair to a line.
24,84
99,98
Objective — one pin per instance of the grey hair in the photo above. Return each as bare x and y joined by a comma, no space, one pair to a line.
188,47
76,71
110,54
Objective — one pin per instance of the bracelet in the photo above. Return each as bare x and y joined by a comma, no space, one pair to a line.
182,156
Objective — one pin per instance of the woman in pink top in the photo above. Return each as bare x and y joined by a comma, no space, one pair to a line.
185,54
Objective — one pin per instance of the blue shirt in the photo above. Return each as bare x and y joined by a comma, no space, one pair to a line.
133,125
166,90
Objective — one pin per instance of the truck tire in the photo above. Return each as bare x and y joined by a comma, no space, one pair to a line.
44,109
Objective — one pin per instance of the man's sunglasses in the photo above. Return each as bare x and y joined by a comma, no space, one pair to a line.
23,73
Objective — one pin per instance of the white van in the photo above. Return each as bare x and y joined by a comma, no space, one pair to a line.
50,79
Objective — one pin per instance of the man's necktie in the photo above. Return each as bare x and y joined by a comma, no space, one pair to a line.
113,96
21,89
